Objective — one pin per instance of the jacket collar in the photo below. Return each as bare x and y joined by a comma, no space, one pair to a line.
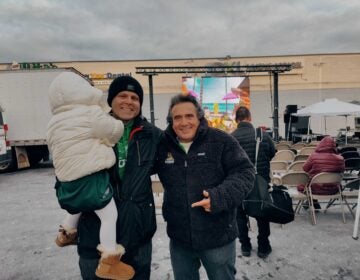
245,124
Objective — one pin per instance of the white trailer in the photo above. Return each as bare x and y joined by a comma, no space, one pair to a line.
25,114
4,147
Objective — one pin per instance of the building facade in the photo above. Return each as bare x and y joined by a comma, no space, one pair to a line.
315,77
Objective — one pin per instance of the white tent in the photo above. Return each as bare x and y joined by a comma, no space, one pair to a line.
334,107
327,108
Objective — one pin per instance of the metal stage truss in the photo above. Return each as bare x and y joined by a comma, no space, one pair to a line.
234,70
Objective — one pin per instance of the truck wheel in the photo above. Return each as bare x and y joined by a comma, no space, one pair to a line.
11,165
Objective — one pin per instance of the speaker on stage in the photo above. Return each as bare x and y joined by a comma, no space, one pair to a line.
287,114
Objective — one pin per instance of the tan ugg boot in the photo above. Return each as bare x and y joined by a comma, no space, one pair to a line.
110,266
66,236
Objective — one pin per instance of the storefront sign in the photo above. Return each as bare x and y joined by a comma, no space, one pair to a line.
33,65
100,76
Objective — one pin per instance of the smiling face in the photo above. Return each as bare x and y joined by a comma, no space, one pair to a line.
126,105
185,121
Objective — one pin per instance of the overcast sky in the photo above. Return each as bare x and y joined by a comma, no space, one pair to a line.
57,30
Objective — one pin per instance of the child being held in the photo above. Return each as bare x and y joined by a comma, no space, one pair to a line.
80,137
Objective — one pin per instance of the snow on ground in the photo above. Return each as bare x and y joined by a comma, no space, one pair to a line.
30,215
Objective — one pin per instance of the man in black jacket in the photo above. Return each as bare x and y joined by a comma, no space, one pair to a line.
206,175
246,135
136,154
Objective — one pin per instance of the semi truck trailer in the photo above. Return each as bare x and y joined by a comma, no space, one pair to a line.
24,115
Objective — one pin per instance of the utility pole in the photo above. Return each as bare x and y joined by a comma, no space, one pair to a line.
151,98
276,106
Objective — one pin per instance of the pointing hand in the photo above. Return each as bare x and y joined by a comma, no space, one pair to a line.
205,203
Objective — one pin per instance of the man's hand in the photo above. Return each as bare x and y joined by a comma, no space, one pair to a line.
205,203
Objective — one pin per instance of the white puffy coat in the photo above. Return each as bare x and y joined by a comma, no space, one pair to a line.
81,133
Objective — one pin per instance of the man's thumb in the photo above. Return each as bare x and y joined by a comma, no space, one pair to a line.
205,193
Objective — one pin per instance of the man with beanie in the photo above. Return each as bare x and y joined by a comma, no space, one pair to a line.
136,153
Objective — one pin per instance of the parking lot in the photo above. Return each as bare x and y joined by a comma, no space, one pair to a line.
30,217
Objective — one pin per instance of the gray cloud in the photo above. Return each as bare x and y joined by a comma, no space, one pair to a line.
51,30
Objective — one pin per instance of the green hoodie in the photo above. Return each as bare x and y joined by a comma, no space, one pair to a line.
123,148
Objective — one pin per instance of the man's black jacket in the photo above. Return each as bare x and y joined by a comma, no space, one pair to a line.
216,163
133,196
245,134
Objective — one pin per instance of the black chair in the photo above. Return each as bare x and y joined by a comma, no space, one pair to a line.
347,149
352,164
352,169
351,191
350,154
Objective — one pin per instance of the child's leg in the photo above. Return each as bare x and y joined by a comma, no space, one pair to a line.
108,216
68,231
110,266
71,221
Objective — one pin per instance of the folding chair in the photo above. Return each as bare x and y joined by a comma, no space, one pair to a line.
351,191
298,146
352,169
291,181
323,178
350,154
277,169
352,164
284,155
313,143
347,149
301,157
282,146
307,150
296,166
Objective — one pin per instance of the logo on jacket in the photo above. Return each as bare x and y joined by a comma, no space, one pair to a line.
169,159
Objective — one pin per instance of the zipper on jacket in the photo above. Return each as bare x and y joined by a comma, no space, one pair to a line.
117,179
187,197
138,151
117,190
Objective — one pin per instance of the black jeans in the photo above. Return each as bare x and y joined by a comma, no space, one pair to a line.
139,259
263,227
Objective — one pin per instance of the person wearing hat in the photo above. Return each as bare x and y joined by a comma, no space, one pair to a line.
80,136
136,153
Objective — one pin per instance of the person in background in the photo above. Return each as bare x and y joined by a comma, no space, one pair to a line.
136,152
245,133
206,175
323,159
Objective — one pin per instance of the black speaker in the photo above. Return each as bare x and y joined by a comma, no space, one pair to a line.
288,124
287,113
